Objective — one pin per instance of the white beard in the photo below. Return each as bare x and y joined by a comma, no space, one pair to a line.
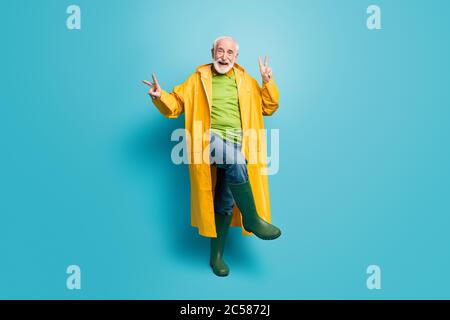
221,69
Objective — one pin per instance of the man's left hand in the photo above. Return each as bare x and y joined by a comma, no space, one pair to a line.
266,71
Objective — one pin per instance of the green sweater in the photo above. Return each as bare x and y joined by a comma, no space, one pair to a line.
225,113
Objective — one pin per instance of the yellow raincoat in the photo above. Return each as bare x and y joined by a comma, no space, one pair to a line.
194,98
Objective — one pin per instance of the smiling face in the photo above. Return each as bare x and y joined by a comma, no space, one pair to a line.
224,55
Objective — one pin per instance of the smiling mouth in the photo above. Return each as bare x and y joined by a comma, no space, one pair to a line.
223,63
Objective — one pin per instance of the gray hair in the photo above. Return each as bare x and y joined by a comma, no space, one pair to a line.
225,37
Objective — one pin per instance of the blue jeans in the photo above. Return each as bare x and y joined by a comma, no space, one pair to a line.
231,168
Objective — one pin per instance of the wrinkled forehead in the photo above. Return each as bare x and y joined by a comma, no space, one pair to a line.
226,44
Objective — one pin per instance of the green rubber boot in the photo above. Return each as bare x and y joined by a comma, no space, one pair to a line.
218,266
243,196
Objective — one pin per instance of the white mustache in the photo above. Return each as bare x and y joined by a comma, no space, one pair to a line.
223,61
222,68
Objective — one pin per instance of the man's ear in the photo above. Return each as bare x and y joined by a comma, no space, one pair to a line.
212,53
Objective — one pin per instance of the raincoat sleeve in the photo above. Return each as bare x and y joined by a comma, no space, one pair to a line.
269,95
171,105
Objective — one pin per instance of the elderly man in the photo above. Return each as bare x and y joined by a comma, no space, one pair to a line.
222,102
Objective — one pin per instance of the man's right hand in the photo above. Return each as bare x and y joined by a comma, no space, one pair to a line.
155,89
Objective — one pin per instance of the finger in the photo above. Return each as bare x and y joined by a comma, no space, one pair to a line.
148,83
154,80
260,63
266,60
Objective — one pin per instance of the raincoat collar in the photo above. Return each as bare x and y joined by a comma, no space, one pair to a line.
205,72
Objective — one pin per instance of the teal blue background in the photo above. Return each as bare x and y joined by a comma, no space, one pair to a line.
86,176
